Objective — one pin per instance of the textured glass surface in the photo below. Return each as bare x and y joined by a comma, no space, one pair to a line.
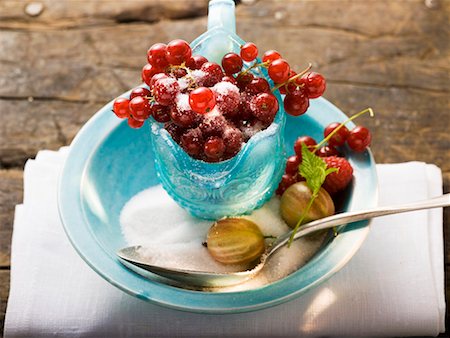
235,186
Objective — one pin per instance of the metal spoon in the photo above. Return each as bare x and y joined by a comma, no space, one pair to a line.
130,256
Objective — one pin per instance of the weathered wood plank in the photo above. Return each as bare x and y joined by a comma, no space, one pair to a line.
4,291
11,193
74,13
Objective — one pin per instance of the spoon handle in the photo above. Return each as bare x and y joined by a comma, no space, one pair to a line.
354,216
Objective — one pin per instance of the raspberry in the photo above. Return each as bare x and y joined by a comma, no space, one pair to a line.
339,180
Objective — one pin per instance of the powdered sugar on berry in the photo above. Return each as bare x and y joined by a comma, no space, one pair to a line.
182,102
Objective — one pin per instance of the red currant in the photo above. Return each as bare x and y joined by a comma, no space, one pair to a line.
178,51
315,84
139,91
258,85
229,79
227,98
156,55
249,52
202,100
270,56
165,90
279,70
290,86
196,62
296,103
174,131
232,137
359,139
148,71
185,119
213,125
140,108
192,141
160,113
286,182
243,79
264,107
156,77
292,164
214,148
121,107
307,140
231,63
327,151
339,138
213,74
135,123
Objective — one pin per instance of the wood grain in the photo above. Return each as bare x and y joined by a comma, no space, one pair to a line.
60,67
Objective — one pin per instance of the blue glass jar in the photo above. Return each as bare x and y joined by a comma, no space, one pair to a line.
240,184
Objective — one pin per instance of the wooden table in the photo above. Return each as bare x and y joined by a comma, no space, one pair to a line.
60,62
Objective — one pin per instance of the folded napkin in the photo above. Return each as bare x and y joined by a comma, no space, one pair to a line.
393,286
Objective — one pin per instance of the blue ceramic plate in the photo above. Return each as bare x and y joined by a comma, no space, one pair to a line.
109,163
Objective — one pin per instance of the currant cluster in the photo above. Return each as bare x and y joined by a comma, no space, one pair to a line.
211,110
336,135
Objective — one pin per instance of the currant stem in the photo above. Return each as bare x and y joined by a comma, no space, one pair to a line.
261,64
303,72
326,139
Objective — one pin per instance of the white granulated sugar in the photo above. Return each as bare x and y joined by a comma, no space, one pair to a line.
225,88
197,74
213,113
182,102
172,238
183,83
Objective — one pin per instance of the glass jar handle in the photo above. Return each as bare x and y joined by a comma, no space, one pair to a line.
221,14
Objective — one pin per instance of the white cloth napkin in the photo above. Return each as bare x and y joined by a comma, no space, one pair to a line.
394,286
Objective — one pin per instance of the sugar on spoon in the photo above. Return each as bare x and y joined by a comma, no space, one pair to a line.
130,256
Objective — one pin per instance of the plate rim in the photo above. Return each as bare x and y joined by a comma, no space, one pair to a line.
67,183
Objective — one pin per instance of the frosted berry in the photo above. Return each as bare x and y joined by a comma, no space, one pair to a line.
165,90
213,74
192,141
160,113
264,107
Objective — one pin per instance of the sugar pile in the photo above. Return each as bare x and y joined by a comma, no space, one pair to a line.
173,238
